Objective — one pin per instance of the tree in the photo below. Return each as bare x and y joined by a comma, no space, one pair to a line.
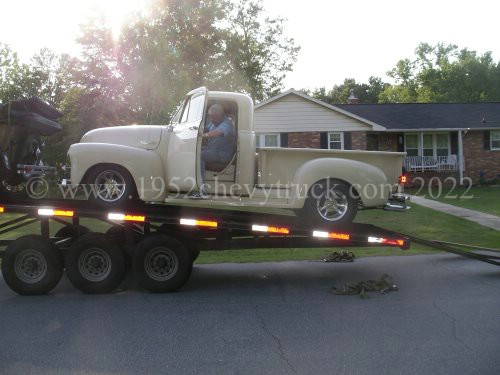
258,52
365,92
12,75
443,73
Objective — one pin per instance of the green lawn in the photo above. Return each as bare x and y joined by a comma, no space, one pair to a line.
418,221
483,199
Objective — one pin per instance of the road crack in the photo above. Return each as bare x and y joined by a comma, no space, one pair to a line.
275,338
453,325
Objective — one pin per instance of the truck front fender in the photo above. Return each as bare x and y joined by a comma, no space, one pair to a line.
143,165
369,182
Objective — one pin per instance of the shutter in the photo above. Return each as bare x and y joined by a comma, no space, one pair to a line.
454,143
284,140
323,140
347,141
486,139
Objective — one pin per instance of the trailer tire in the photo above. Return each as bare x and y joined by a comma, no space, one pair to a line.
114,185
94,265
32,265
330,202
195,254
119,235
162,263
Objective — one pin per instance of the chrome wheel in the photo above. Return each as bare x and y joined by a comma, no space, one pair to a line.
94,264
110,185
161,264
30,266
332,204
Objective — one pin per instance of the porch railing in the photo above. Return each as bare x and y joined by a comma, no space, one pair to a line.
431,163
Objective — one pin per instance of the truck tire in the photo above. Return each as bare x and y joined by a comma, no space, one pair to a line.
330,202
32,265
94,265
162,263
113,185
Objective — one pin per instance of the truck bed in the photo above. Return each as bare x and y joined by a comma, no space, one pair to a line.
273,159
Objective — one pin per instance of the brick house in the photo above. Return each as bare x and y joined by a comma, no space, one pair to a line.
461,140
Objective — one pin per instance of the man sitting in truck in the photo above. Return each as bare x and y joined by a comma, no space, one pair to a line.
220,135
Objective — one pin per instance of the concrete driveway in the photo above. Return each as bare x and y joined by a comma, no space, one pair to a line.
268,318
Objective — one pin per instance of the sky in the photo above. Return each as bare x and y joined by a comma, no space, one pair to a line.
338,39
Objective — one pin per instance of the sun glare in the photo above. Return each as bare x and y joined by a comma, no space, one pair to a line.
117,13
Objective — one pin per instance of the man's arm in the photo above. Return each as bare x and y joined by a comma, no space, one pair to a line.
213,134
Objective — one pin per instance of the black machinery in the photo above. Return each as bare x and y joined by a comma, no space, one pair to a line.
23,123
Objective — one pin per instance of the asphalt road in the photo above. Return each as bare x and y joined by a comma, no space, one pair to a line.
268,318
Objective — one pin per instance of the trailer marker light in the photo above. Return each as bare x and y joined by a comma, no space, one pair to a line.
135,218
375,240
66,213
333,235
402,179
265,228
52,212
124,217
386,241
199,223
115,216
2,209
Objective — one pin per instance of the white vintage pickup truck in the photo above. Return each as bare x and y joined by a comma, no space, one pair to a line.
161,164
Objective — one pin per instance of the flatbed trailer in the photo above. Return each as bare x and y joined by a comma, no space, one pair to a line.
160,242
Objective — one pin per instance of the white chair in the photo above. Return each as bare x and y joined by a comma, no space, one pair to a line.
449,163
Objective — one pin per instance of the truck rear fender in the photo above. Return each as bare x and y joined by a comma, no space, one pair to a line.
368,182
144,166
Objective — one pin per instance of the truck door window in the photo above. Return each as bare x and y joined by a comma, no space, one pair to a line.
193,109
196,108
185,112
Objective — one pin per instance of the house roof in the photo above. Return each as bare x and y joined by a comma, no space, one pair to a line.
375,125
428,116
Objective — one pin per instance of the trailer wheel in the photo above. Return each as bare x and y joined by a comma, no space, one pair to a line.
162,263
94,265
32,265
113,185
195,254
330,201
120,234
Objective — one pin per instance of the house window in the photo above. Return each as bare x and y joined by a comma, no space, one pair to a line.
336,141
429,145
268,140
411,144
442,144
495,140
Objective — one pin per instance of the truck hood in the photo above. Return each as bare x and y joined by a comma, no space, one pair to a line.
146,137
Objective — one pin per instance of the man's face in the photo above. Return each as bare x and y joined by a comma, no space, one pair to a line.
215,118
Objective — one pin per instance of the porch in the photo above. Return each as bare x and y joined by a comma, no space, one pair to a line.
431,163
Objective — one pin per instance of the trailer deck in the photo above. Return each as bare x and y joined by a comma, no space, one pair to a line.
160,242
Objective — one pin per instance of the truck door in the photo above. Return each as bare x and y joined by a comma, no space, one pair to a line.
182,149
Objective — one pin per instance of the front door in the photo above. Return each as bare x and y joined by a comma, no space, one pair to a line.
182,149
